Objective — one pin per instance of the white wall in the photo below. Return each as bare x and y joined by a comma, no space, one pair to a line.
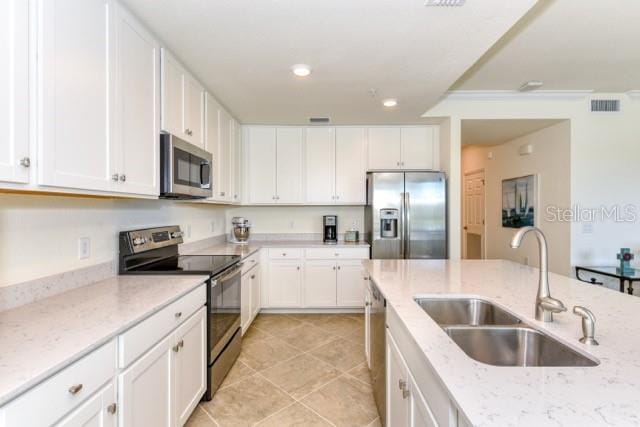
39,234
298,219
549,162
604,152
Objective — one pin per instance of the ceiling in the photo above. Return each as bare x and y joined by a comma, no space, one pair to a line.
499,131
242,50
569,45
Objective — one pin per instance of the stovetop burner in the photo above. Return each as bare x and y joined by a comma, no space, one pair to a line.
188,264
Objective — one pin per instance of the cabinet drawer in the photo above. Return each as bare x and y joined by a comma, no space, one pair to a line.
251,261
285,253
57,396
337,253
134,342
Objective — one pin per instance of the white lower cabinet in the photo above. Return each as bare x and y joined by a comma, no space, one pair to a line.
256,289
349,284
250,294
284,287
99,411
320,283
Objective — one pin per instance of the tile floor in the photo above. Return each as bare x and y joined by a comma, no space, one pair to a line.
302,370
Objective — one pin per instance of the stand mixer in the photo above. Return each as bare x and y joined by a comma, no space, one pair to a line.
239,230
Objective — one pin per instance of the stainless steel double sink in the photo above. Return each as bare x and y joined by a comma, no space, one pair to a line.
491,335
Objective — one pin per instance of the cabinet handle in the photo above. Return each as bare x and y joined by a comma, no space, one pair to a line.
338,267
115,177
253,276
402,384
181,343
75,389
176,348
222,193
123,177
334,267
178,315
365,278
337,254
25,162
112,408
298,267
284,254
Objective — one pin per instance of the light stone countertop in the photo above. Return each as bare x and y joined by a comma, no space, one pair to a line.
40,338
607,394
245,250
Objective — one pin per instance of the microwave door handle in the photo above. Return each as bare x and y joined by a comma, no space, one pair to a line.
204,184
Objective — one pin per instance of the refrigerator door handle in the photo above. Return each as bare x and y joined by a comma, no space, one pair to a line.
407,225
402,225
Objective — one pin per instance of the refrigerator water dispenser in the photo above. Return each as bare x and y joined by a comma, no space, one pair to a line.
389,223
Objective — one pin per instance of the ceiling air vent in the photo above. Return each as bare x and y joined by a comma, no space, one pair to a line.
319,120
444,2
605,105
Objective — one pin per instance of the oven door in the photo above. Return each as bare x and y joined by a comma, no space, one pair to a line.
224,309
186,169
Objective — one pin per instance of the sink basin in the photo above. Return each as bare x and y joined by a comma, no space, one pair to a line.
514,346
465,311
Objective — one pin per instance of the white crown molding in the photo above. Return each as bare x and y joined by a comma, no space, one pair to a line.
493,95
634,94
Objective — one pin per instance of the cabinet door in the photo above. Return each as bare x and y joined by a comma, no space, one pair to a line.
224,154
320,283
245,299
398,410
76,71
135,109
289,165
285,284
211,141
261,165
171,95
190,365
384,148
351,165
193,93
350,291
320,160
417,147
420,414
236,164
367,321
145,389
14,91
99,411
256,286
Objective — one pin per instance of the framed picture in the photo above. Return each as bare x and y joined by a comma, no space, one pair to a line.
518,201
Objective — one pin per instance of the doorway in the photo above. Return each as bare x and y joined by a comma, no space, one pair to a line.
473,232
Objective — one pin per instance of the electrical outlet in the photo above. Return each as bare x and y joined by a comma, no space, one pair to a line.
188,231
526,260
213,226
84,248
292,224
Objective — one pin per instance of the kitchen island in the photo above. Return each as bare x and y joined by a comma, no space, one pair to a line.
486,395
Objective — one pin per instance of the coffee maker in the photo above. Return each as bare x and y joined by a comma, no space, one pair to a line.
330,229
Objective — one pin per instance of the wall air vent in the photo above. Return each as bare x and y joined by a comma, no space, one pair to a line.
444,2
319,120
605,105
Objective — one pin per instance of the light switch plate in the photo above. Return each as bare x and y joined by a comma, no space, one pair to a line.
84,247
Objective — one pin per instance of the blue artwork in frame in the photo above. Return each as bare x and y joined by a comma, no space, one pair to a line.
518,201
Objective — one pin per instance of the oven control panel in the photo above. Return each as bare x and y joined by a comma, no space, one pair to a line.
153,238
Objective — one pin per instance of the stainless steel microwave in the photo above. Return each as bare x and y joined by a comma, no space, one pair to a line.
185,170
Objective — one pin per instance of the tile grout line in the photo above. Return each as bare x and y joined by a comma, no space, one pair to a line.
208,415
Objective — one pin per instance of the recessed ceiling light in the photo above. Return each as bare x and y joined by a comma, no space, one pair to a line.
391,102
530,85
301,70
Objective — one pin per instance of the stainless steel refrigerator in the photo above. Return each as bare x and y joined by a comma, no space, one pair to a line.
406,215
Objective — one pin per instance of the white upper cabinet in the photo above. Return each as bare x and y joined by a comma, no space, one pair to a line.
411,147
417,147
224,155
74,144
384,148
320,171
236,169
220,140
289,165
14,91
261,165
136,108
182,101
350,169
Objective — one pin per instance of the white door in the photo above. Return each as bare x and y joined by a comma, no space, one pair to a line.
193,94
397,383
420,414
261,165
285,284
224,154
350,284
99,411
417,147
320,159
473,205
76,74
350,171
245,300
190,365
145,389
171,95
135,111
384,148
236,166
14,91
320,283
289,165
256,286
211,142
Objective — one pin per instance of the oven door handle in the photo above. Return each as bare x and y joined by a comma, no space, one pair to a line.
235,270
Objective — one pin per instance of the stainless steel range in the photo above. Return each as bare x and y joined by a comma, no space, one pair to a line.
155,251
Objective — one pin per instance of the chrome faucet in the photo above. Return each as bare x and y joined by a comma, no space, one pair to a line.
546,305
